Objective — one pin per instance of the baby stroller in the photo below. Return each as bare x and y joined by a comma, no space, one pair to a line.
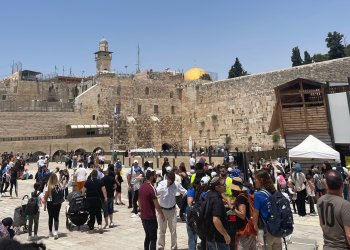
20,217
76,213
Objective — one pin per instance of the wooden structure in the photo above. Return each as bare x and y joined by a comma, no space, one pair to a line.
302,110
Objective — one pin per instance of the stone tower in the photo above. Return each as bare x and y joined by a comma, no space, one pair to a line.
103,57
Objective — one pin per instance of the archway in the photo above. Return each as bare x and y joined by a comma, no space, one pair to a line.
166,147
58,156
37,154
99,150
80,151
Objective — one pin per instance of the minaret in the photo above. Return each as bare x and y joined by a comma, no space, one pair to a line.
103,57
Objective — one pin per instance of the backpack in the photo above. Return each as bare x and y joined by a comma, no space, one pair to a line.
32,207
249,227
198,219
282,182
57,195
319,183
280,221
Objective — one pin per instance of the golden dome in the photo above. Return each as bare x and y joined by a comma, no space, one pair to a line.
194,73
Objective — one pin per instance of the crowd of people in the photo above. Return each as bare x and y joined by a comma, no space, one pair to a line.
223,208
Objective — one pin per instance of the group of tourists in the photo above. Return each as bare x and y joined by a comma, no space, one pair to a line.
222,208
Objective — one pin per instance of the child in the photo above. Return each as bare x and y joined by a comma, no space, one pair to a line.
34,217
310,191
292,195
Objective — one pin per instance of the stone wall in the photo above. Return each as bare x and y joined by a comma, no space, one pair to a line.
242,107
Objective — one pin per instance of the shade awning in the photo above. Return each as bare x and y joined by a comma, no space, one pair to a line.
89,126
313,148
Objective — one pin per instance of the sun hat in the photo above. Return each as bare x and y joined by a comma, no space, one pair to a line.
237,184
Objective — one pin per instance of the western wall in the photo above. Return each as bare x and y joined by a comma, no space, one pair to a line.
153,109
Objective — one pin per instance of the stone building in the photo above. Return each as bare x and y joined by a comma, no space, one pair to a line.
156,109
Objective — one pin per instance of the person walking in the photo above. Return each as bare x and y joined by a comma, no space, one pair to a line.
108,207
95,191
334,213
148,205
263,182
299,180
220,238
34,213
53,197
118,191
167,190
81,175
13,180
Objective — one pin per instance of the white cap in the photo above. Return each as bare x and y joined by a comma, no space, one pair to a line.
210,167
136,161
205,180
202,153
168,168
192,171
229,169
213,174
150,169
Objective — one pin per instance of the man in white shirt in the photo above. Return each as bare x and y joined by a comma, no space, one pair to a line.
167,190
81,175
134,178
192,162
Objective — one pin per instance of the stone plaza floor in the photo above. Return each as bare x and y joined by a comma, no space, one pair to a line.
128,232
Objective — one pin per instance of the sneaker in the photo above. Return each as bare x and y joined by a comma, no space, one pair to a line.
51,234
105,226
55,235
30,238
100,230
111,225
134,215
35,238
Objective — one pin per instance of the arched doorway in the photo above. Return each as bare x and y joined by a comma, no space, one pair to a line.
166,147
58,156
80,151
99,150
37,154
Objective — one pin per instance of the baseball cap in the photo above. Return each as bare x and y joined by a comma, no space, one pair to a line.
168,168
136,161
205,180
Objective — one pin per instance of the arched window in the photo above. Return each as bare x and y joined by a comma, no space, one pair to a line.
147,91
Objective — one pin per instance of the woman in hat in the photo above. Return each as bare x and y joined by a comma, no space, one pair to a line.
245,239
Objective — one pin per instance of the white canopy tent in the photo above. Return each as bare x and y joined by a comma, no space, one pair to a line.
313,148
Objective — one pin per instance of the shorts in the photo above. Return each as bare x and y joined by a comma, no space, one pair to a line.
108,207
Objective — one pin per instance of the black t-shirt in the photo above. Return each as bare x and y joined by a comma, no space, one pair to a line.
109,182
94,188
217,209
239,222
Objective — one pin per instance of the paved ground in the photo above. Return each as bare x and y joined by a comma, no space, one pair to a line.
128,233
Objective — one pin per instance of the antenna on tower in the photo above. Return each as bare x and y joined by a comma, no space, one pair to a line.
138,60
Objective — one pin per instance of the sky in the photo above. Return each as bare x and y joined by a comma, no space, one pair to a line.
171,34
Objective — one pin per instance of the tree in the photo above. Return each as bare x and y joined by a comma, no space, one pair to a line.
334,43
205,77
307,58
320,57
296,58
236,70
347,50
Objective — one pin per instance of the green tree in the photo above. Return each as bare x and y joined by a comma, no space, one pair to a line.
296,58
236,70
307,58
334,43
347,50
320,57
205,77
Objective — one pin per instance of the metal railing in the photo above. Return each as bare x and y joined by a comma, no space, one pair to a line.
13,106
32,138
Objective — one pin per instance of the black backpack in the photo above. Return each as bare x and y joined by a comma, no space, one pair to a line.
32,207
280,221
198,219
57,195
